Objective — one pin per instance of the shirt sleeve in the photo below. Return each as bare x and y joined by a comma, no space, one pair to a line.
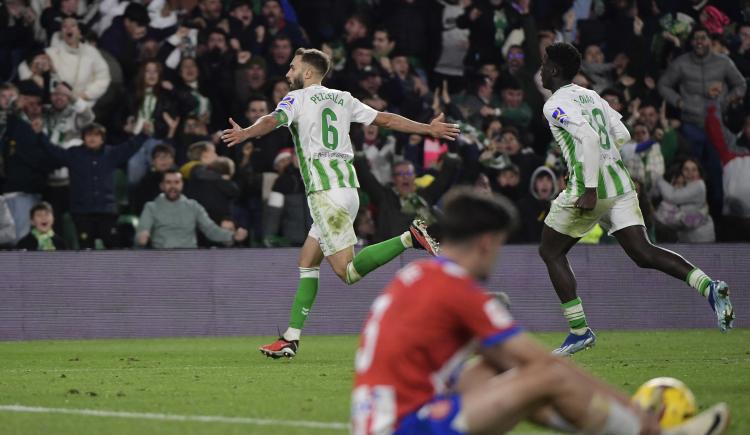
564,114
362,113
287,109
484,316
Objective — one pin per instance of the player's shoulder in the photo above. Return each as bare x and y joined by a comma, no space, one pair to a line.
432,273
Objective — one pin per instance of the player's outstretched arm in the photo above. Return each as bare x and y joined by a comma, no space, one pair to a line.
237,135
437,128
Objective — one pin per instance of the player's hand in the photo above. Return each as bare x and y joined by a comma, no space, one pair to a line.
234,135
442,130
587,201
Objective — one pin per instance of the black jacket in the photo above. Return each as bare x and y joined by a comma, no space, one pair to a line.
30,243
27,162
390,220
211,191
92,185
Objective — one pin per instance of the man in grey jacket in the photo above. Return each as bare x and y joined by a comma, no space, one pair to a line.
171,220
692,82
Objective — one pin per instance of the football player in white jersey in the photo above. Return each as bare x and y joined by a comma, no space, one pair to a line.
318,118
599,190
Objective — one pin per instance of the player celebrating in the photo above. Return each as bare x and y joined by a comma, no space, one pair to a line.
410,376
599,191
318,118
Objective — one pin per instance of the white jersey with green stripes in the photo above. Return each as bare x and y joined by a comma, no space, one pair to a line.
571,107
319,118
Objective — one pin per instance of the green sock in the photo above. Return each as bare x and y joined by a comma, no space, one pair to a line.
374,256
699,281
573,312
305,297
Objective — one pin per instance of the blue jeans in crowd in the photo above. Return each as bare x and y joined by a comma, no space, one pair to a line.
704,151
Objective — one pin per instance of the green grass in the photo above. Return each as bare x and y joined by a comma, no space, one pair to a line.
228,377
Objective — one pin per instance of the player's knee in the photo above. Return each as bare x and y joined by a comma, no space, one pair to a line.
643,257
547,255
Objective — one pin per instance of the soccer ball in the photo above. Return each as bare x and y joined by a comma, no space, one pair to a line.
669,398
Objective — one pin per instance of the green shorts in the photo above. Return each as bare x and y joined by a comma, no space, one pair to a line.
613,214
333,212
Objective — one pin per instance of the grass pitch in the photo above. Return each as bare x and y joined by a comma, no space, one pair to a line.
224,385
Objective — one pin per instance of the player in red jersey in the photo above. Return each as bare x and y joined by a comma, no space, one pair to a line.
411,376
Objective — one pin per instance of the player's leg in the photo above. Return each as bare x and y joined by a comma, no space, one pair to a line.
634,241
310,258
352,268
626,224
553,249
564,226
549,393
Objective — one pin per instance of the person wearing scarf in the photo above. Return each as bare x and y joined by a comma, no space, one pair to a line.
42,237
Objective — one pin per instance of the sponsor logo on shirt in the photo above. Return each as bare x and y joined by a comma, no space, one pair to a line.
287,102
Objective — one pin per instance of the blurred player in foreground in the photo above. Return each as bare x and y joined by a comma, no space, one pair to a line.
319,118
410,371
600,191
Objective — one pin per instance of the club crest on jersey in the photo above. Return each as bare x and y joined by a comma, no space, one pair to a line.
560,116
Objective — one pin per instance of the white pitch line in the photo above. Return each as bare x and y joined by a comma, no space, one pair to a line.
174,417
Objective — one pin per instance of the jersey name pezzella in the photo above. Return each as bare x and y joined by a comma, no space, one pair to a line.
320,97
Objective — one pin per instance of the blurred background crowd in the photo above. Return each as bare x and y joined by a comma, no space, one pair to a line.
110,113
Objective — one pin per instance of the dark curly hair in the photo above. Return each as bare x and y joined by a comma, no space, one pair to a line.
567,57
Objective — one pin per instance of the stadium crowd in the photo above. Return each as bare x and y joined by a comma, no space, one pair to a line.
111,112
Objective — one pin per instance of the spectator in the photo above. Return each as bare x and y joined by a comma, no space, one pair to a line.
355,28
217,65
251,79
279,89
171,220
519,155
248,209
380,152
534,207
382,46
208,14
63,123
684,207
182,44
121,39
280,56
245,28
92,166
16,35
162,160
76,63
193,130
454,45
265,148
189,84
514,109
276,22
489,22
401,201
42,237
642,156
7,226
702,77
482,103
199,153
741,53
26,161
286,217
593,66
52,17
212,186
508,182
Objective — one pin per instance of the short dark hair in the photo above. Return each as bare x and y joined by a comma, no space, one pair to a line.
384,30
41,206
468,213
696,29
615,93
162,148
137,13
168,172
255,98
94,128
567,57
281,37
315,58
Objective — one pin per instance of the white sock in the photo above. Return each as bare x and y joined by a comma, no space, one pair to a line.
620,420
352,275
406,240
292,334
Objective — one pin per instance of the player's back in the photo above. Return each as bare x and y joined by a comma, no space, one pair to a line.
319,119
564,108
419,333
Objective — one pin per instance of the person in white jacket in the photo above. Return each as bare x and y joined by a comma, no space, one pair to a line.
76,63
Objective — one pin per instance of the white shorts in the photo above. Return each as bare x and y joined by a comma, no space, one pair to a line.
613,214
333,212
